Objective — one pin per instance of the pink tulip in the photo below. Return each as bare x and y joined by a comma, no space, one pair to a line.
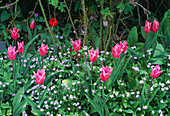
76,45
14,33
20,47
155,72
147,28
155,26
93,54
104,76
11,52
123,46
43,49
40,76
116,51
32,25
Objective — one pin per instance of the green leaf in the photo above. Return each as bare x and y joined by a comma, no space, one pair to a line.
31,103
132,37
37,112
128,111
77,6
18,109
153,95
44,93
95,105
18,97
5,16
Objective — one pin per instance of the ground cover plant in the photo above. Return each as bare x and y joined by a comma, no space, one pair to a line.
81,58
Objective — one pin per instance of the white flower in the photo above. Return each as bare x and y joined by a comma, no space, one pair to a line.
145,107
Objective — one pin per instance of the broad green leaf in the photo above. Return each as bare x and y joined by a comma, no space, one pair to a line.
132,37
5,16
128,111
18,97
18,109
31,103
95,105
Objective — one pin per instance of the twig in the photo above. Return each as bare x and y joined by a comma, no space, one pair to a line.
9,4
71,19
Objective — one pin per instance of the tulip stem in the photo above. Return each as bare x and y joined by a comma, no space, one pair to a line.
13,73
103,100
145,43
150,87
92,68
39,92
42,60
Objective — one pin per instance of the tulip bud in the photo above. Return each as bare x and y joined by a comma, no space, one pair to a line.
14,33
155,26
32,25
20,47
147,27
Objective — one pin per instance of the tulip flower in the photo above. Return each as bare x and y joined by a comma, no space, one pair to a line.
40,76
116,51
76,45
104,76
93,54
20,47
53,22
32,25
11,52
14,33
155,26
43,49
147,28
123,46
156,71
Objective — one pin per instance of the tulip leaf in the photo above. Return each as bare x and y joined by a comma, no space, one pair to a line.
132,37
37,112
44,93
18,109
29,43
95,105
29,62
153,95
29,31
31,103
18,97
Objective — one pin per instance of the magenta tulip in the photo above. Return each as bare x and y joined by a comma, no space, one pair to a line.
11,53
43,49
123,46
32,25
93,54
104,76
76,45
20,47
147,28
116,51
14,33
40,76
155,72
155,26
